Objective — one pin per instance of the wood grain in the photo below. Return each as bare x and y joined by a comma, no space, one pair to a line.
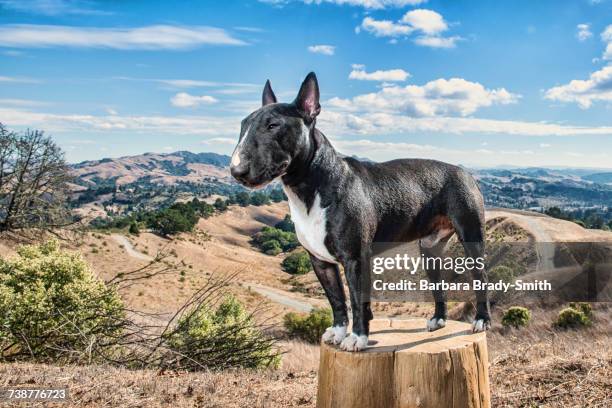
405,366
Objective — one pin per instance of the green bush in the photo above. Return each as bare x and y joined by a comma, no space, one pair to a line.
286,240
53,307
243,199
271,247
286,224
309,327
571,318
134,229
516,317
220,204
277,195
259,198
220,338
297,263
501,272
583,307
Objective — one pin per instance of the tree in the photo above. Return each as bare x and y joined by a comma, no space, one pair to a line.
259,198
134,229
286,224
33,181
277,195
171,221
243,198
220,204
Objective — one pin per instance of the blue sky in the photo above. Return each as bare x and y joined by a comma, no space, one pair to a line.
477,83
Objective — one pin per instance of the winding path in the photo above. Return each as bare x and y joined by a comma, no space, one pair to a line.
129,248
279,296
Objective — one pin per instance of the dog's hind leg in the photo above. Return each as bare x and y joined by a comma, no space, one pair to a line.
329,276
434,246
471,233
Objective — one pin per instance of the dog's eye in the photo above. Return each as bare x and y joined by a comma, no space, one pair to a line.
272,126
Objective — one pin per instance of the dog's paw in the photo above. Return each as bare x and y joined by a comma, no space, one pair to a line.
334,335
480,325
435,323
354,342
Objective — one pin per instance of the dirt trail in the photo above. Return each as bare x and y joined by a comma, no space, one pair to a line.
288,299
533,224
291,300
129,248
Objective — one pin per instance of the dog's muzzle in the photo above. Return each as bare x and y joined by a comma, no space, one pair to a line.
243,175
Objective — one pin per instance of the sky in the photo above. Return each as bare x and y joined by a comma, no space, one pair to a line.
477,83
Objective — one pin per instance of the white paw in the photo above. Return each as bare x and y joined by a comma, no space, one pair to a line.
480,325
354,342
435,324
334,335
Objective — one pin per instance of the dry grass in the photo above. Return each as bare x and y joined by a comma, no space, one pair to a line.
541,367
99,386
532,367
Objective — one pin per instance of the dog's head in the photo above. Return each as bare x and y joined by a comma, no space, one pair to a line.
275,134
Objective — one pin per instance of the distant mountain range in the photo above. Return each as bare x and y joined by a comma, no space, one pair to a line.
160,168
504,187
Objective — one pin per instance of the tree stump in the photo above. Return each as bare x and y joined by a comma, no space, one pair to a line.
405,366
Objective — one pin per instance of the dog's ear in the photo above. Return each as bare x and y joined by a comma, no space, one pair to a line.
307,100
267,97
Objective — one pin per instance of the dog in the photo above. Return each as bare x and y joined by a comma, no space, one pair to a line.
340,206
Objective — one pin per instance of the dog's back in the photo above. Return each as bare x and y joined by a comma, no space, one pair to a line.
420,190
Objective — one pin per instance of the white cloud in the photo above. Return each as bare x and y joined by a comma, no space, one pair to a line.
341,123
22,102
390,75
441,97
606,36
333,122
222,87
322,49
427,21
156,37
19,80
13,53
584,92
379,150
51,7
368,4
219,133
428,24
438,42
175,125
583,32
185,100
385,28
220,140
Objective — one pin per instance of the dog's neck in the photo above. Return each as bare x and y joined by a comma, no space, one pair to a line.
317,167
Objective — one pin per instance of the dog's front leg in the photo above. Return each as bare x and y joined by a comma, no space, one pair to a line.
329,276
357,277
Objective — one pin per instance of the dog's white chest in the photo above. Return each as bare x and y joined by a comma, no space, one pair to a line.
310,225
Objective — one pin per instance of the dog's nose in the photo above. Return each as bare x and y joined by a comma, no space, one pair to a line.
239,172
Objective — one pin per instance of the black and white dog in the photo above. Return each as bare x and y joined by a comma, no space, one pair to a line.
340,206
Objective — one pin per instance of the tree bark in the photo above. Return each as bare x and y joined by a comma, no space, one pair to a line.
405,366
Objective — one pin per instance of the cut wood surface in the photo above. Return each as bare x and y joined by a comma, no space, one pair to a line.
406,366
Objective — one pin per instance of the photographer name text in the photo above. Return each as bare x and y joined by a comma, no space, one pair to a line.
424,284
